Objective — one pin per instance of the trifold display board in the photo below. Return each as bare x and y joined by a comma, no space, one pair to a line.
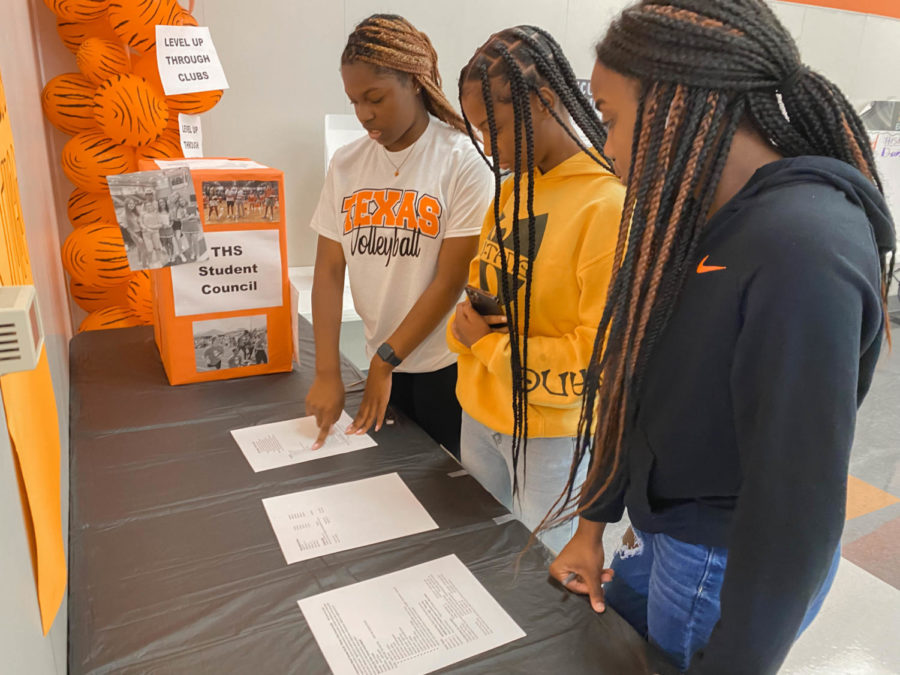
228,315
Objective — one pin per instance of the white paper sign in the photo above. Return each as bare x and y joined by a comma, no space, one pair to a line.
340,517
191,135
409,622
243,272
270,446
187,60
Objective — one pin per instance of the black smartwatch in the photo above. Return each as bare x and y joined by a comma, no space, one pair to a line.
386,352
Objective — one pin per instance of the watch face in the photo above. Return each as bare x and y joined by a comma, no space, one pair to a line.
386,352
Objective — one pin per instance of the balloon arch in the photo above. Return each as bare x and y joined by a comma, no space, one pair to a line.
117,113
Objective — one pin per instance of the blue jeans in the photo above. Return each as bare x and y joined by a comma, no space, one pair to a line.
668,591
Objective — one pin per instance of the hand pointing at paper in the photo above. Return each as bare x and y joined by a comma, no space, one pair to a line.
325,401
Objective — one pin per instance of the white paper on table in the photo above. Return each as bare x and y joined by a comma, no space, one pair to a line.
269,446
408,622
325,520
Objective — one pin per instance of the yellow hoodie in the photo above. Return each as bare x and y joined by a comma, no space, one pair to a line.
577,207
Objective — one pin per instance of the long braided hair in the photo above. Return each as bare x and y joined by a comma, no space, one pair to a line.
704,67
510,68
392,43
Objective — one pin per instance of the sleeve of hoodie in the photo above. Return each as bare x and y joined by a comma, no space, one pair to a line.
554,358
810,313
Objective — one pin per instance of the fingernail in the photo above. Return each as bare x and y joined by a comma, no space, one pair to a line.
600,608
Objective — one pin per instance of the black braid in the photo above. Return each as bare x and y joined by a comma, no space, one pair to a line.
526,58
724,63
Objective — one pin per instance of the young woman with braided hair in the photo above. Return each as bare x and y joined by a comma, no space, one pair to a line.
401,210
546,250
742,328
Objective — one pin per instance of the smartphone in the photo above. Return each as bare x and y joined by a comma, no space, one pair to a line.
483,302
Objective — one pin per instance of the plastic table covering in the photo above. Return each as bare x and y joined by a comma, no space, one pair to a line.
174,567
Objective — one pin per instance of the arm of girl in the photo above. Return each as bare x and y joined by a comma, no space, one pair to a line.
326,395
432,306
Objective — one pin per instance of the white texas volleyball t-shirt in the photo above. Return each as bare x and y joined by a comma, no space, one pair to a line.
391,226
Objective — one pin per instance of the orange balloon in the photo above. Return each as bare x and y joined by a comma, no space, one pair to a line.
90,156
95,255
135,21
73,33
147,67
129,111
90,208
167,146
194,104
189,104
100,59
68,102
117,316
78,10
92,298
139,296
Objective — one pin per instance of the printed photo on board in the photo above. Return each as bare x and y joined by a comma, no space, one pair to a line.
235,342
158,215
241,201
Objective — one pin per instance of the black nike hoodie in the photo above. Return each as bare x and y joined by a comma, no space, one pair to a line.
744,425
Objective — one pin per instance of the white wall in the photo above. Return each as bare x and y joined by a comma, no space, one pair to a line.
282,61
22,646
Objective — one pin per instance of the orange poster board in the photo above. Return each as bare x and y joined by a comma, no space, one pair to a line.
229,315
30,405
890,8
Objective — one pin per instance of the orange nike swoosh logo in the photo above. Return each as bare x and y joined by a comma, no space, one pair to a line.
703,268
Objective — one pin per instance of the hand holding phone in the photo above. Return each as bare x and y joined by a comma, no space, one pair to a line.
483,302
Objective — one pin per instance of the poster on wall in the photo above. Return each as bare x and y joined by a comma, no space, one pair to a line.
30,405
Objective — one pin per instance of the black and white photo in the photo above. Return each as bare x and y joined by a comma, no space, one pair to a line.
158,215
235,342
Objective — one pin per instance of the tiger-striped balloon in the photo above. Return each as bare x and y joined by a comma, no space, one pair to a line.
95,255
195,103
117,316
91,156
135,21
129,111
68,102
90,208
74,33
78,10
100,59
92,298
189,104
167,146
139,297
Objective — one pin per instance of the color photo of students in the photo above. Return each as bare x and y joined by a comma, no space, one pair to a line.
241,201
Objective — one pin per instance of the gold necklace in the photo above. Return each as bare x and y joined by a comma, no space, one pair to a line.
397,167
